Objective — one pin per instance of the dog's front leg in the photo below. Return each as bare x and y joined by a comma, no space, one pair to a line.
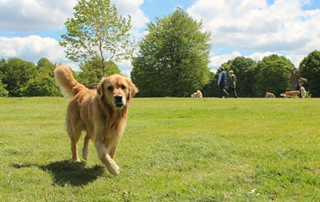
113,151
85,150
105,157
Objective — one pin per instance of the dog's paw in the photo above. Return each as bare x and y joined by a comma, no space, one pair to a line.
85,154
76,160
115,170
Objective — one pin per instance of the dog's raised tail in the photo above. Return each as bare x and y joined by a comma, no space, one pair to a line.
67,83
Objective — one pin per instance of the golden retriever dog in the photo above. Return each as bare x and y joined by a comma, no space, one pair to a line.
270,95
197,94
102,113
303,92
291,94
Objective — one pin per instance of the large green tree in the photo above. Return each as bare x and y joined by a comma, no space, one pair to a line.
44,66
173,57
211,89
272,76
97,30
43,84
244,69
15,75
312,73
3,91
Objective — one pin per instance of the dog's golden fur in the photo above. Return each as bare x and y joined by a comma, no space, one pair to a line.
291,94
270,95
102,113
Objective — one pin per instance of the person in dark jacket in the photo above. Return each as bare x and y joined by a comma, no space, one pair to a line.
222,82
231,83
299,86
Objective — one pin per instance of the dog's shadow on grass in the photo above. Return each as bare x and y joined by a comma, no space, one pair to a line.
69,173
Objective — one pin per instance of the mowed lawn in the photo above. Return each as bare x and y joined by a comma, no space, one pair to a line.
173,149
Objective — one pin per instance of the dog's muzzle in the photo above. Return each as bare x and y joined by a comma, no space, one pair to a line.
118,100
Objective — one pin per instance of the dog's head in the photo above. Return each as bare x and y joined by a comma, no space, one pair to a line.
116,90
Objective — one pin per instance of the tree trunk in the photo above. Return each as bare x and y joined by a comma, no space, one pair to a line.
104,68
294,76
103,64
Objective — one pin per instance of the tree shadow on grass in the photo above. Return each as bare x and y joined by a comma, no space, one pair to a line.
69,173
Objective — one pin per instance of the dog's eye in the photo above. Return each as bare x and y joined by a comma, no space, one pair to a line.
110,88
123,87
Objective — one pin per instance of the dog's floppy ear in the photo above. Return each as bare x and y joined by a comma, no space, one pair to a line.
100,89
132,88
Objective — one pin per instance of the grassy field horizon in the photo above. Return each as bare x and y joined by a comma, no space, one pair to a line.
173,149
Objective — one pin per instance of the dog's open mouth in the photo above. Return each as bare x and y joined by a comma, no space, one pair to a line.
119,102
119,105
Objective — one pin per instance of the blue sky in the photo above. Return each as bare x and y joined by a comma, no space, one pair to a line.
31,29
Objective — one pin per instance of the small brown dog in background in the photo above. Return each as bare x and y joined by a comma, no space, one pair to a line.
102,113
270,95
291,94
197,94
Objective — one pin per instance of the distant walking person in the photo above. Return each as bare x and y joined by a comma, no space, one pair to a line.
231,83
299,86
222,82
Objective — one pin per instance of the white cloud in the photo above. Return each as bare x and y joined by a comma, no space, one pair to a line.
218,60
296,59
40,15
254,25
125,67
34,15
32,48
259,55
138,19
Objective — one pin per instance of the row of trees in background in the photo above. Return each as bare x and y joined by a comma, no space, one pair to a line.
22,78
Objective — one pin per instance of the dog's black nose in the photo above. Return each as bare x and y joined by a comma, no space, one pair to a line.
118,98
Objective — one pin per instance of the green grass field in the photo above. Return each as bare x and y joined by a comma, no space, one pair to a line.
173,149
